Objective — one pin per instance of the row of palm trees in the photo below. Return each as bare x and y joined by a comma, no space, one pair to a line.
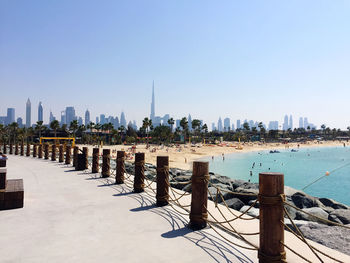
95,133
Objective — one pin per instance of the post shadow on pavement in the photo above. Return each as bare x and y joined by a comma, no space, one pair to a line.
218,249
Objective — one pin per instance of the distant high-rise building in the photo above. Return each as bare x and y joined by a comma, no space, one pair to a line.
103,119
227,124
177,124
52,118
40,112
70,115
28,114
87,117
80,121
285,123
116,123
189,119
153,110
97,120
273,125
233,127
166,117
220,128
291,122
20,122
10,116
306,123
63,118
134,125
301,122
213,128
122,120
238,124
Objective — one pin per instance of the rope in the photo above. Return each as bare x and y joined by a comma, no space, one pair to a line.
296,253
301,234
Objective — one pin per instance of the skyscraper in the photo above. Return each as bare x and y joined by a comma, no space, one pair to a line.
291,122
238,124
306,123
20,122
285,123
10,116
70,115
80,121
122,120
102,119
189,119
220,125
152,105
40,112
28,114
87,117
52,118
301,122
227,124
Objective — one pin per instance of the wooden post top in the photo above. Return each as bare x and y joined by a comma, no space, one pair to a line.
162,160
271,184
106,151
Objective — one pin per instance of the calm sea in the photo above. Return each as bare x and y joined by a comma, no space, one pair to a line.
299,168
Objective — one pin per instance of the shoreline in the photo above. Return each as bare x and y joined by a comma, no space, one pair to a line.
183,156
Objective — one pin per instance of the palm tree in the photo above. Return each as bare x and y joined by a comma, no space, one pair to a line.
171,123
73,126
39,127
30,132
184,125
13,127
146,124
54,125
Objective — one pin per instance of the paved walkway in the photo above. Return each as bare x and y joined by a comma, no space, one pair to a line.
71,216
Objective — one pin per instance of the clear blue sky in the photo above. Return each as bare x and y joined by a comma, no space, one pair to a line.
240,59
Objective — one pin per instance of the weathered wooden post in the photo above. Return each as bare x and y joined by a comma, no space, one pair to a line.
68,154
139,179
5,148
28,149
95,160
86,155
106,163
60,154
119,175
40,151
271,197
22,148
53,152
75,155
11,148
199,197
16,148
35,150
162,195
46,150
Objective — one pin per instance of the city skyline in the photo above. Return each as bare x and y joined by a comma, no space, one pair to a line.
254,61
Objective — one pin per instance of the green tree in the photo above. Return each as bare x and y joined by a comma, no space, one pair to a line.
184,126
39,127
73,126
146,124
54,125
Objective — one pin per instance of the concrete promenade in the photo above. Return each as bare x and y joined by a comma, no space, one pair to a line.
71,216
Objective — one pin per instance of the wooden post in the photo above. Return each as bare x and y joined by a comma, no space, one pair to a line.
28,149
95,160
11,148
199,197
40,151
16,149
162,195
271,195
22,148
75,155
35,148
106,163
5,148
139,179
119,175
68,154
46,149
86,155
60,154
53,152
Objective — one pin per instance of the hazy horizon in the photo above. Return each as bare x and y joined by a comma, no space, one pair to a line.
255,61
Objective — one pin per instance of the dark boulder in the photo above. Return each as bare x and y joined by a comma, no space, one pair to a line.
234,203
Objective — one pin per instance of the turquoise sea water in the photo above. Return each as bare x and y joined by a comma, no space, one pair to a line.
299,169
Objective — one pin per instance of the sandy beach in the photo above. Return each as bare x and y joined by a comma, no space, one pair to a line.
182,156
